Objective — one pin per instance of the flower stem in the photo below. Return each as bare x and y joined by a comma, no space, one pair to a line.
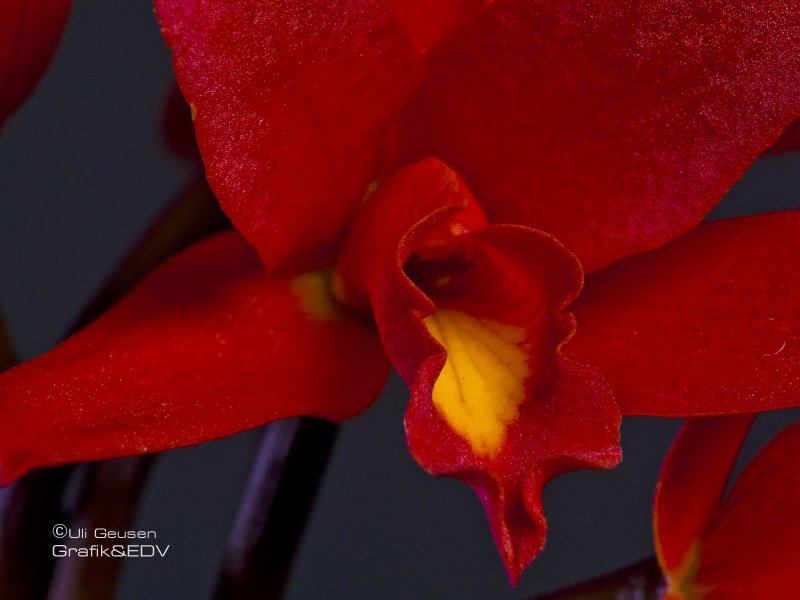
111,490
278,498
642,581
7,356
33,505
109,500
28,511
193,216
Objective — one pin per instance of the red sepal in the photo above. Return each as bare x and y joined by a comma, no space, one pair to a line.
29,33
613,126
737,548
502,275
206,346
291,101
708,324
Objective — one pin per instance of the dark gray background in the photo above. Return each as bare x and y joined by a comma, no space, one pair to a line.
83,171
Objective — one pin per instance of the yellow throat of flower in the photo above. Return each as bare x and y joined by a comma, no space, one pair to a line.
482,384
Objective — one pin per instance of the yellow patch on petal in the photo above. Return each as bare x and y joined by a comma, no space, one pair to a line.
482,384
682,583
316,299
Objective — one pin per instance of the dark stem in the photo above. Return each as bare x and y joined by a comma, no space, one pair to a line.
193,216
283,482
28,511
32,506
109,499
7,356
642,581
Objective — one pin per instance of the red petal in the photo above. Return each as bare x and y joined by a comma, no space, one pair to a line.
789,141
428,22
29,33
691,485
754,548
291,101
207,346
613,126
506,279
709,324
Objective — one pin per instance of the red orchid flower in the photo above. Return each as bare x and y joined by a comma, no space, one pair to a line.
29,33
584,132
737,546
